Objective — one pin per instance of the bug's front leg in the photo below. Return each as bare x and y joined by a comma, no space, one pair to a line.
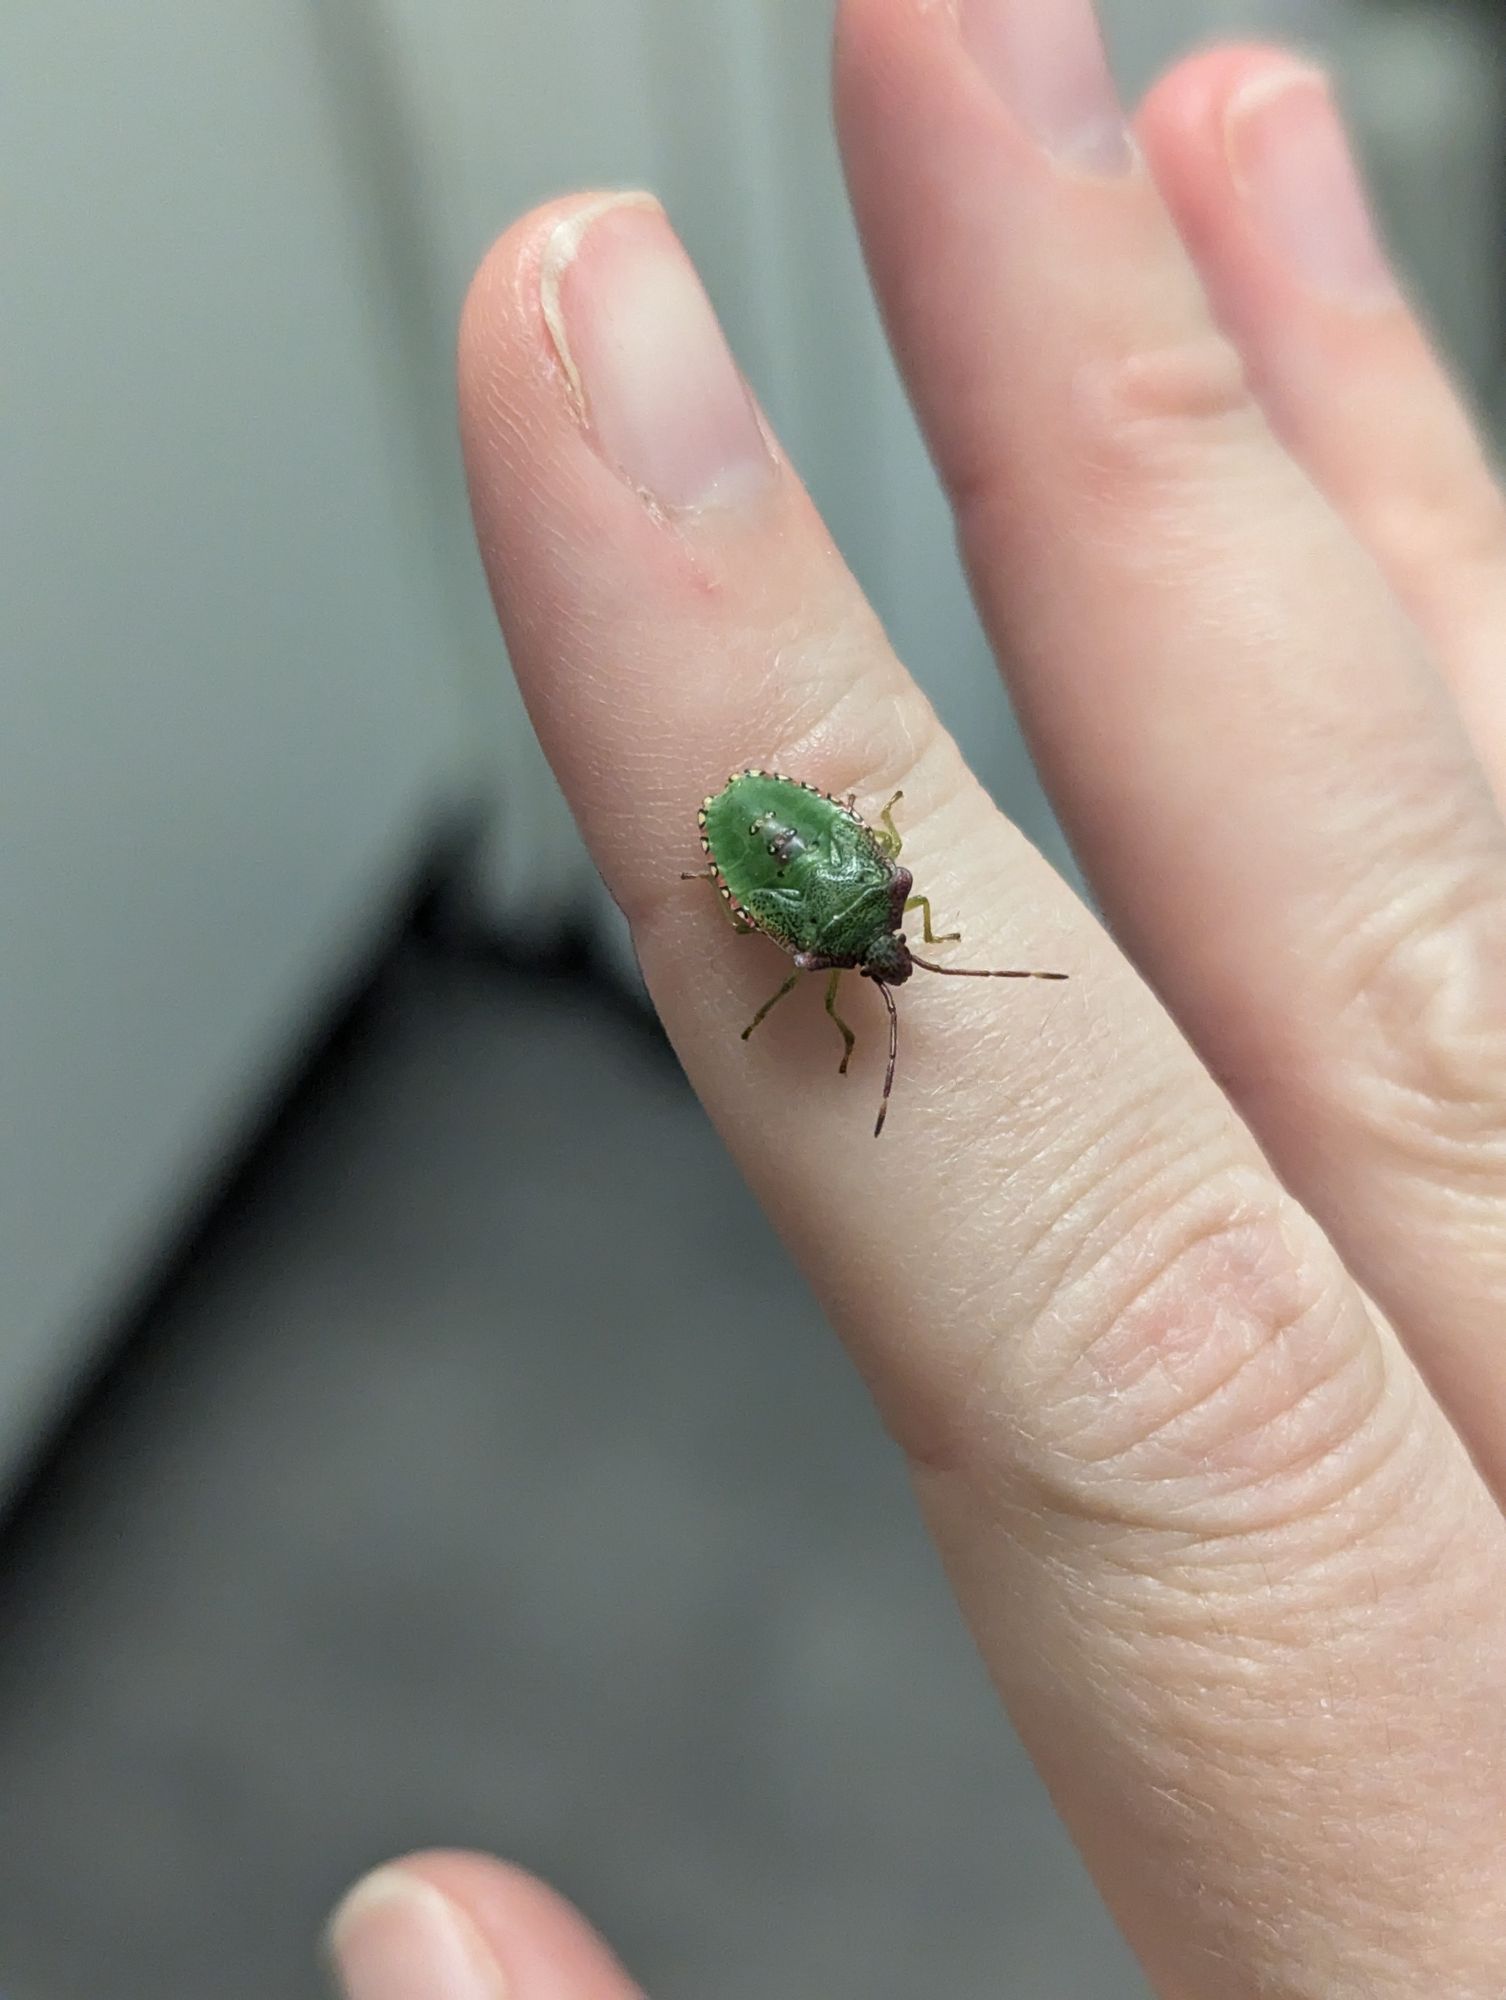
739,924
769,1005
848,1037
923,904
890,839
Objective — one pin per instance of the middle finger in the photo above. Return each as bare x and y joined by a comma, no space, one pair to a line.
1267,783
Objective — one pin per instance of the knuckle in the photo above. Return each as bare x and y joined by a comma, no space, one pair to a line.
1421,1027
876,735
1214,1372
1137,432
1158,420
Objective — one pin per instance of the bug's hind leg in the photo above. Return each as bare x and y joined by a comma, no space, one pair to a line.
890,839
923,904
848,1037
769,1005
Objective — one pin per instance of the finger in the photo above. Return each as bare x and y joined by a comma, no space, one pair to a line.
1267,783
1183,1480
1251,155
465,1927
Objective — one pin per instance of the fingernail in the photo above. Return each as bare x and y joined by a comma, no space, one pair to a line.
1046,60
1292,163
395,1937
648,370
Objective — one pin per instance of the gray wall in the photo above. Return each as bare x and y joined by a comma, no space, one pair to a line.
224,715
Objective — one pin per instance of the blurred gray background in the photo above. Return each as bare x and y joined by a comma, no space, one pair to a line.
347,1509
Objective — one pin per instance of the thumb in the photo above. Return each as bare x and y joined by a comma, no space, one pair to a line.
443,1926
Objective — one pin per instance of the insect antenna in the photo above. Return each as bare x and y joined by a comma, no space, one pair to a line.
893,1056
960,972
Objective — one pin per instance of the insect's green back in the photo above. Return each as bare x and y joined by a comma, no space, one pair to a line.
803,867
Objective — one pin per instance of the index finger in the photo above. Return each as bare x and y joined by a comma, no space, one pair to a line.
1149,1414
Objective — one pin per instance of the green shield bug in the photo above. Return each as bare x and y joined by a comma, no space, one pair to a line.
802,867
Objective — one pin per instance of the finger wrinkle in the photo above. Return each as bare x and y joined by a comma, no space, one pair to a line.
1212,1368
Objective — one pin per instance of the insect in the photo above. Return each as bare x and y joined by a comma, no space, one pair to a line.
802,867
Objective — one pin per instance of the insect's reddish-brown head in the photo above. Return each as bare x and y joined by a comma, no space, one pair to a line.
888,960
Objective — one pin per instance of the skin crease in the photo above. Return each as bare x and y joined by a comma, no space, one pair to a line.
1180,1364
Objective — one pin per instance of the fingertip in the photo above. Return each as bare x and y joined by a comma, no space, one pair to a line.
1181,120
505,300
502,341
857,23
890,57
501,280
861,31
479,1882
514,1935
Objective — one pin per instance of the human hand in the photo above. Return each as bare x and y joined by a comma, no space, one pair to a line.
1182,1368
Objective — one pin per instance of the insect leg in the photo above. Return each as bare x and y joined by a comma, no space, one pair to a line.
923,904
769,1005
893,1057
848,1037
889,839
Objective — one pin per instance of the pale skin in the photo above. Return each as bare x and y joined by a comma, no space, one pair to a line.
1192,1335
